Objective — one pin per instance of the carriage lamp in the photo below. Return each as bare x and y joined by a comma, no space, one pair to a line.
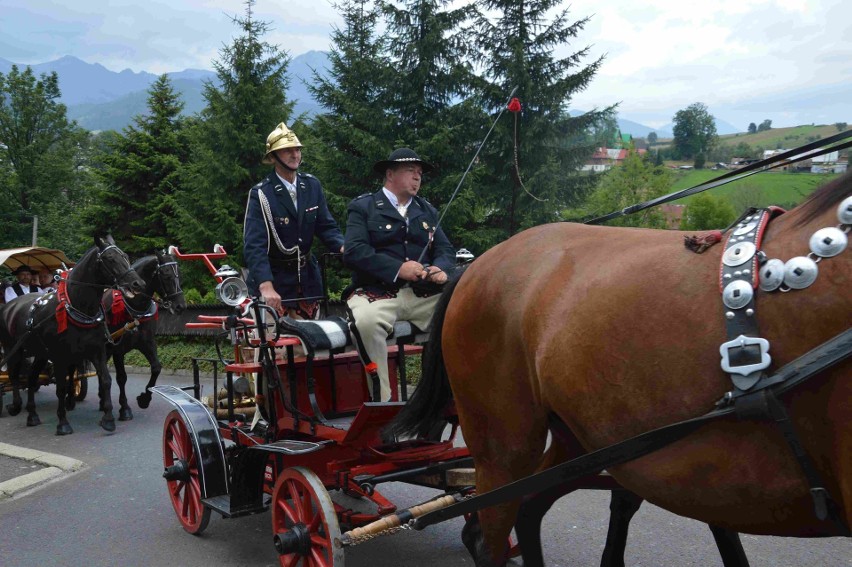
232,291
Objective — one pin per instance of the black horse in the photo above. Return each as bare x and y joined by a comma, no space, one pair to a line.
161,276
67,326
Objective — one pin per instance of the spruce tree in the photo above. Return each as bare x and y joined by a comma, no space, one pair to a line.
354,129
535,156
37,150
228,143
433,107
140,174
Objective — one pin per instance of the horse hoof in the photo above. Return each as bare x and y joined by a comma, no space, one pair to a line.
144,400
13,409
108,424
64,429
124,414
33,420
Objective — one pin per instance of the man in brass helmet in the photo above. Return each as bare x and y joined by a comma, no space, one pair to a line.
283,214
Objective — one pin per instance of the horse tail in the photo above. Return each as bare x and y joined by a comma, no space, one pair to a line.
425,409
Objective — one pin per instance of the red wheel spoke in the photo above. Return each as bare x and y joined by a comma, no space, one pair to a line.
318,559
314,524
320,541
297,501
289,560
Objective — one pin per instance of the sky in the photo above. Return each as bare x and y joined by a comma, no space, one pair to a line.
789,61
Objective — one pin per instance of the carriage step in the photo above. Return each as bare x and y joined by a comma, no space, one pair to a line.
222,505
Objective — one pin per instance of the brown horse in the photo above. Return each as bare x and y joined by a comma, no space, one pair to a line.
616,332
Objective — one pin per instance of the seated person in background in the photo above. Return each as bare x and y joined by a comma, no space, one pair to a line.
46,281
24,284
385,234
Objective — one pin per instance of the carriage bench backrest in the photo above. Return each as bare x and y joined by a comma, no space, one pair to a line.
332,336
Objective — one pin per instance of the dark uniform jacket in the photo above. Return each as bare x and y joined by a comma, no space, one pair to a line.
378,240
264,259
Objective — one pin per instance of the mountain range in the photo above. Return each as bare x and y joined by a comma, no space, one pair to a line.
100,99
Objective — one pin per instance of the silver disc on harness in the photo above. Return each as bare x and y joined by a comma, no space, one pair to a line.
737,294
800,272
828,242
739,253
844,211
772,275
746,228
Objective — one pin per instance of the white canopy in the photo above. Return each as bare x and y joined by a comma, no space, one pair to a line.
37,258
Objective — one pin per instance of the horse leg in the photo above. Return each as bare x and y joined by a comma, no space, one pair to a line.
528,524
32,385
486,534
150,352
730,547
70,400
124,411
104,387
60,378
14,368
623,505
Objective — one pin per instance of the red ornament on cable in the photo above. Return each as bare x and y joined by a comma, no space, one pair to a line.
514,105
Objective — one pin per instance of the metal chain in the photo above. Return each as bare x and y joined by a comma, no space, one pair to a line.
356,540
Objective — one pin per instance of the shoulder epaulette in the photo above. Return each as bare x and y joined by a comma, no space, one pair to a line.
308,175
362,196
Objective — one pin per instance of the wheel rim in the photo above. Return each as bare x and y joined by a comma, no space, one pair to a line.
304,519
184,494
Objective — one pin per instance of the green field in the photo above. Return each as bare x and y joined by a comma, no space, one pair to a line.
781,137
759,190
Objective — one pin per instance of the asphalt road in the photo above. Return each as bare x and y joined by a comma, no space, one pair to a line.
116,512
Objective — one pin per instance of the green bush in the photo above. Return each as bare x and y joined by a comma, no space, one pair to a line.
176,353
192,296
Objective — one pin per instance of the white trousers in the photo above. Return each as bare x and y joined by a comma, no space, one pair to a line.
375,322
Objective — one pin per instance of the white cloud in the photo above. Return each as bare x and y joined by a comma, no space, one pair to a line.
662,55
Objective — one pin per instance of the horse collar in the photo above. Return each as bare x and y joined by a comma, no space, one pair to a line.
745,268
64,310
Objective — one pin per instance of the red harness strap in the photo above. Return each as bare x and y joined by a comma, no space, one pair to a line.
118,314
62,305
62,301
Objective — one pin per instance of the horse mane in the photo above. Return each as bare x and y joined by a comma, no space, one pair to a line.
825,197
143,262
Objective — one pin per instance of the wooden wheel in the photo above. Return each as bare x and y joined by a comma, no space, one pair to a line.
304,523
182,475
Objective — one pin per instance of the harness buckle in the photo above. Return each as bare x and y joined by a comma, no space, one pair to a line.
745,355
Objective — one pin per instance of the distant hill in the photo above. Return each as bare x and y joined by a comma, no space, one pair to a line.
787,138
100,99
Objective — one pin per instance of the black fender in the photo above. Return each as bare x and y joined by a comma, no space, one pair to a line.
204,430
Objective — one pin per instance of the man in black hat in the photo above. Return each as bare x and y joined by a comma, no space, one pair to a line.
386,233
283,214
23,285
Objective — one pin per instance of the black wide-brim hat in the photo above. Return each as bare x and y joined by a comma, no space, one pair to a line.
399,157
21,269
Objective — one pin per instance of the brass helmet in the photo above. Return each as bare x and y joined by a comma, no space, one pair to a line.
280,138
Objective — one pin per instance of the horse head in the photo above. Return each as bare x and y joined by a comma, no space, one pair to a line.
168,283
115,266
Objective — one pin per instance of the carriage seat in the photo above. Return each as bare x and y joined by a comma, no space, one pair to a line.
333,334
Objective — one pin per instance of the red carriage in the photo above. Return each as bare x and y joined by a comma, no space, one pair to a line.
319,434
